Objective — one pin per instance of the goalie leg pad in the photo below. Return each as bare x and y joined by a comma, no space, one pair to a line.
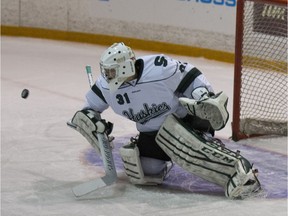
133,167
205,157
244,182
213,109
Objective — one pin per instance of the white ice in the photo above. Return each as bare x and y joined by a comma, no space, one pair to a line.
42,159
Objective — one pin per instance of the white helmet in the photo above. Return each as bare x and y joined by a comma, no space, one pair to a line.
117,63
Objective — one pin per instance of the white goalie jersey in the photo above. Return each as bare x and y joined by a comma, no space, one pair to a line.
150,98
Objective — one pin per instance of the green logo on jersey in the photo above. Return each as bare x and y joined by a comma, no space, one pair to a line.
147,113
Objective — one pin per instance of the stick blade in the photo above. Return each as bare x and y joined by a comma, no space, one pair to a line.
88,187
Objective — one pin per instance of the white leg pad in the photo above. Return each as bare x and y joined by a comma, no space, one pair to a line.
133,168
243,183
206,157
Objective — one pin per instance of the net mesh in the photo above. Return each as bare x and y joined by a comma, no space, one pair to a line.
263,93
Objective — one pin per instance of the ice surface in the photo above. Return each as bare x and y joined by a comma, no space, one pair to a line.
42,159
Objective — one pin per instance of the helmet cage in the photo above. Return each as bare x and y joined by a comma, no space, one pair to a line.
117,64
116,74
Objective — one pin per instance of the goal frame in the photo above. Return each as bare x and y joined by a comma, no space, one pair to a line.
236,133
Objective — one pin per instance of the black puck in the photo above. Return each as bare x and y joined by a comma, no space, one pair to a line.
25,93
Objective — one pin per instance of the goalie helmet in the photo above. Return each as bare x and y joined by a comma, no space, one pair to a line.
117,63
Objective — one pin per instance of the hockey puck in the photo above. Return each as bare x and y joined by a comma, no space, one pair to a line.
25,93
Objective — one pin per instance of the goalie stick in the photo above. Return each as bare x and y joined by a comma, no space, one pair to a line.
106,155
109,166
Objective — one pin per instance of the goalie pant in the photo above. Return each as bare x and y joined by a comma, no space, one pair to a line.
207,159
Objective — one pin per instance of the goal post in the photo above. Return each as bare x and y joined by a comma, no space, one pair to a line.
260,73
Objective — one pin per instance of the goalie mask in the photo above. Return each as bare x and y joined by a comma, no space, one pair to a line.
117,64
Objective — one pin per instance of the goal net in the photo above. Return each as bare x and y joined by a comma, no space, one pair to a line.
260,76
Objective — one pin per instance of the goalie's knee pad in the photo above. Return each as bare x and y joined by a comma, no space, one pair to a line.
154,170
213,109
207,158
